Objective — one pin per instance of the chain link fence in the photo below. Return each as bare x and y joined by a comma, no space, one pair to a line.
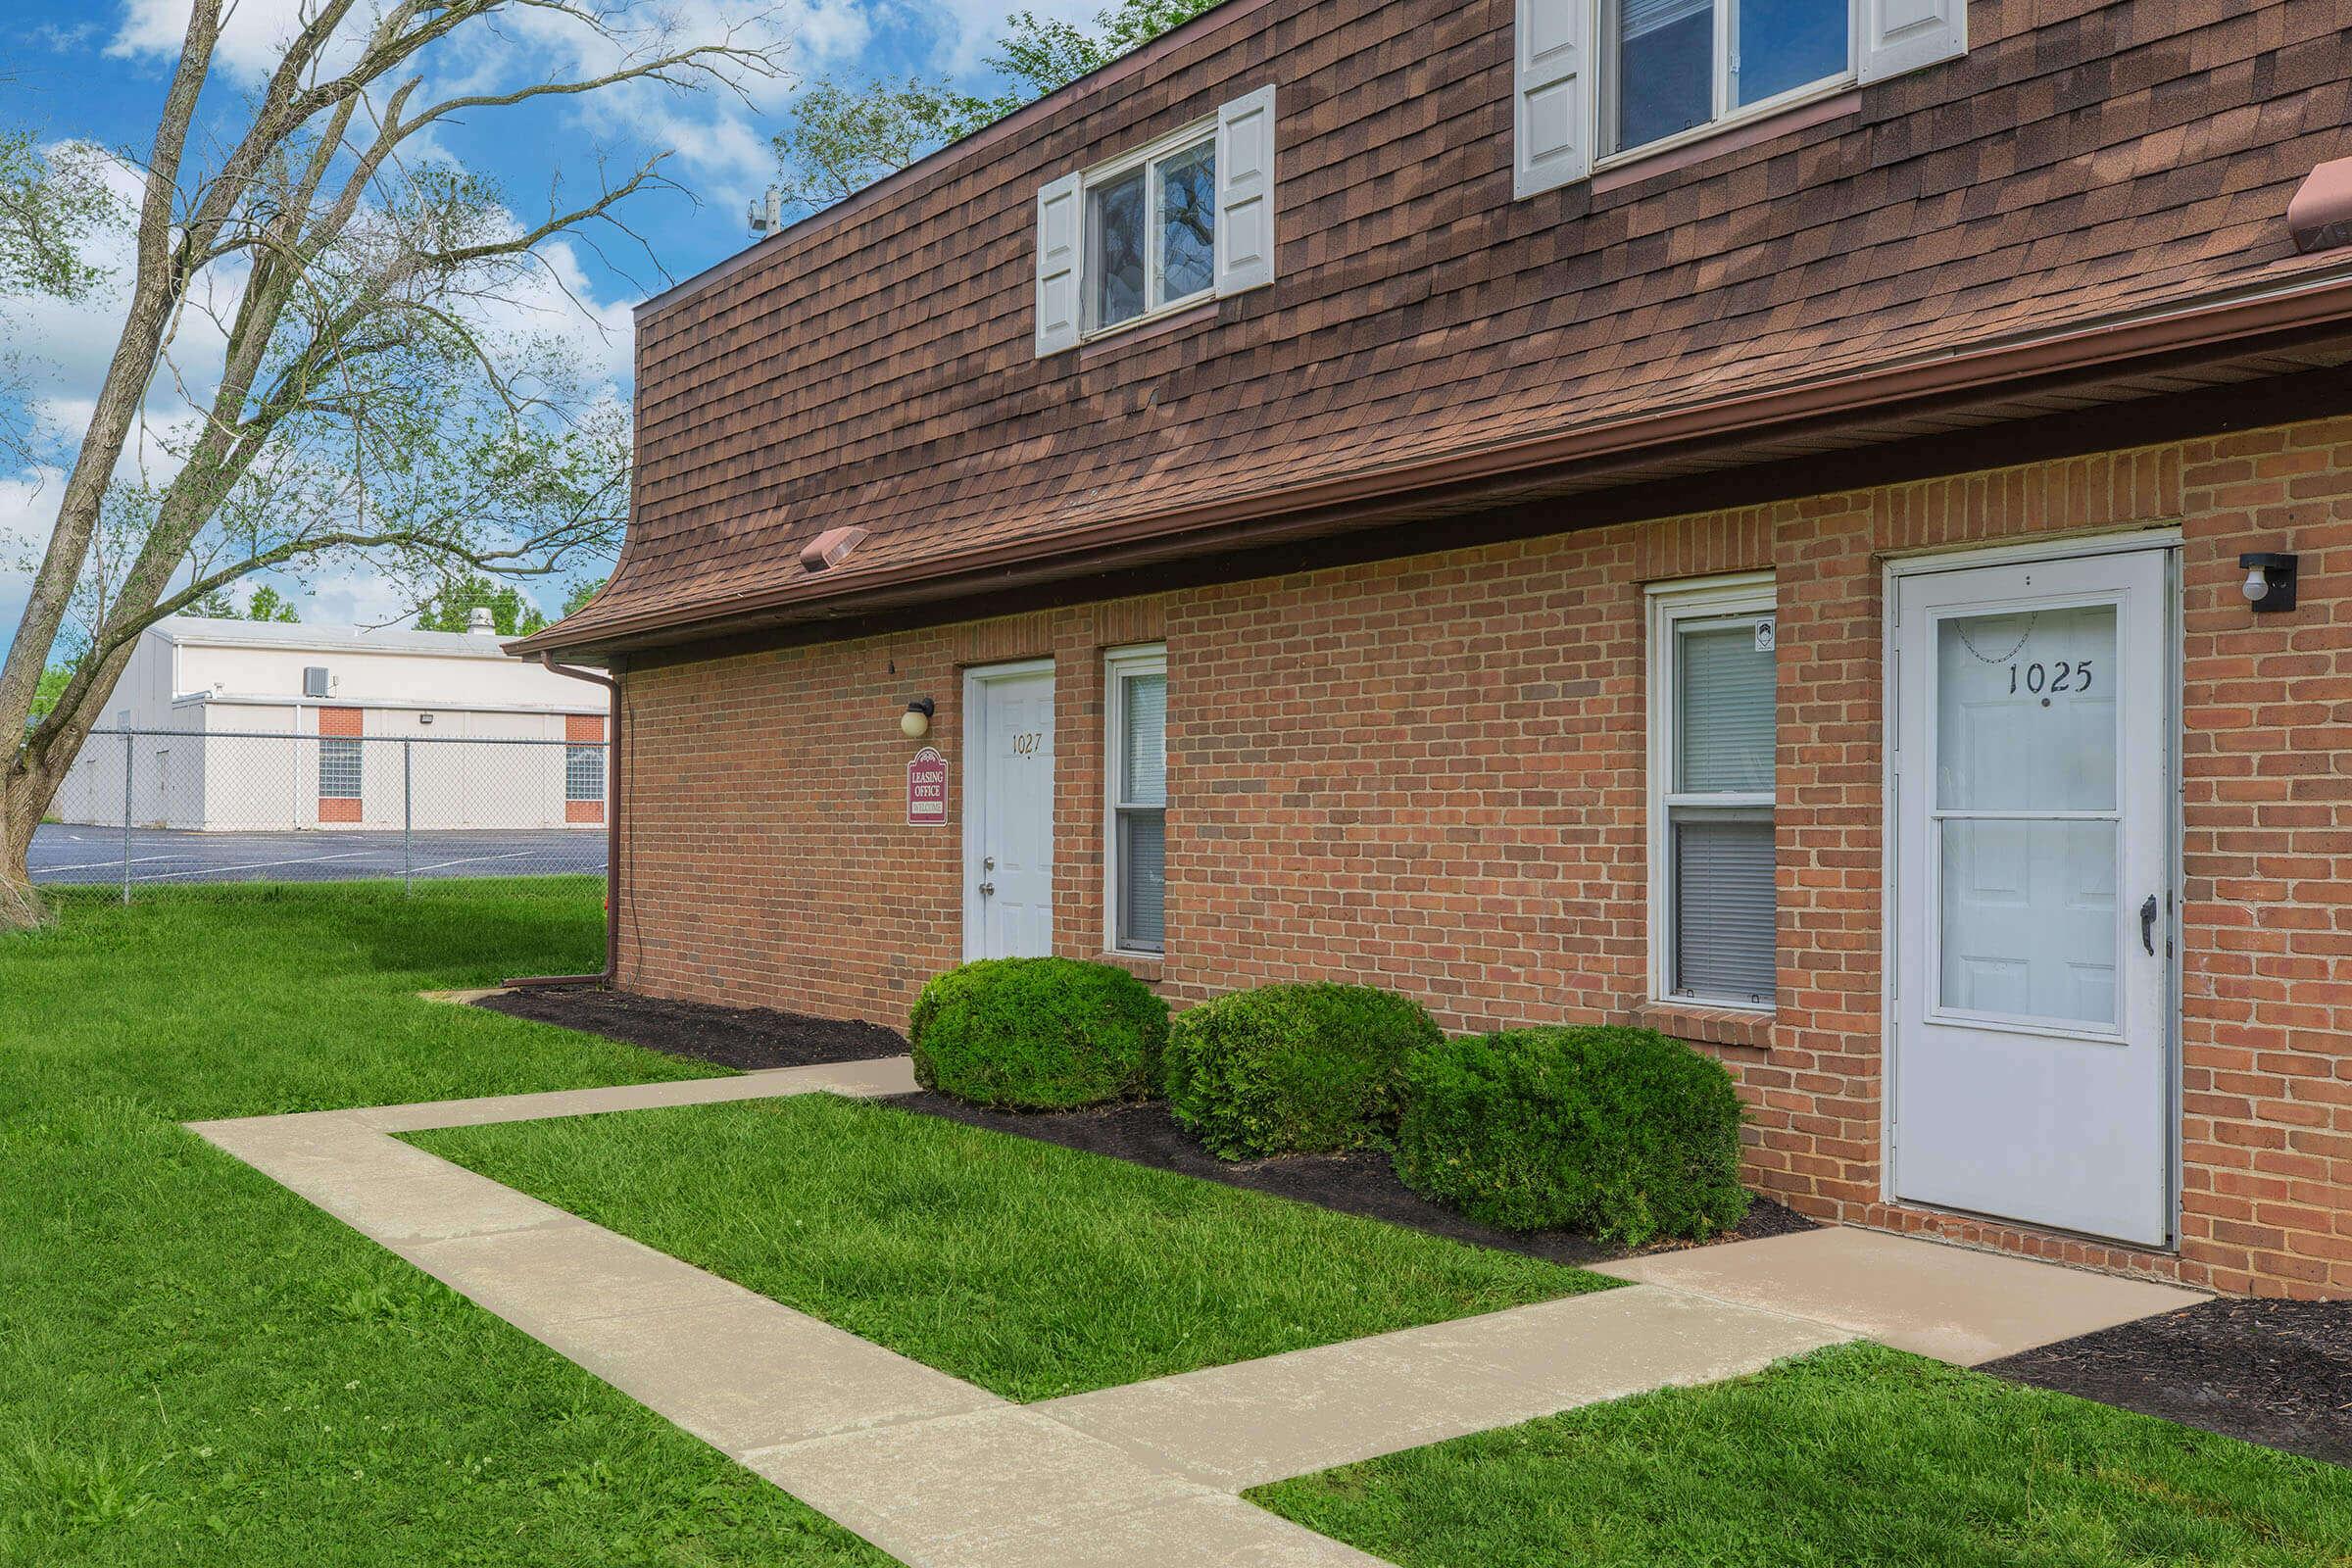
143,807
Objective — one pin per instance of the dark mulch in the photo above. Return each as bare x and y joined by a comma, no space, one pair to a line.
2278,1373
752,1038
1354,1184
744,1038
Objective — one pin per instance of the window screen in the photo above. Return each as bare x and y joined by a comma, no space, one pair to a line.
1723,929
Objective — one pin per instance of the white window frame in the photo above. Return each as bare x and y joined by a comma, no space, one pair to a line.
1119,664
1150,155
1673,606
1726,115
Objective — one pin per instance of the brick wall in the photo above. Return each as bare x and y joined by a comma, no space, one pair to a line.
1429,773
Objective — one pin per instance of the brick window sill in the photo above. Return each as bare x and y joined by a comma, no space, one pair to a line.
1737,1027
1149,968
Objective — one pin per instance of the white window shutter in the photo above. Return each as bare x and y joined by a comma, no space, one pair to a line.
1899,35
1245,232
1060,232
1551,104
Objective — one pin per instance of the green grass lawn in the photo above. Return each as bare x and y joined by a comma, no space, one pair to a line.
198,1367
1856,1455
1030,1269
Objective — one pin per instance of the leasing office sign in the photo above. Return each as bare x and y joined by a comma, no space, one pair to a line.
927,789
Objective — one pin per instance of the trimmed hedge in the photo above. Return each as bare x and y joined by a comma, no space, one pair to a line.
1621,1134
1038,1034
1293,1069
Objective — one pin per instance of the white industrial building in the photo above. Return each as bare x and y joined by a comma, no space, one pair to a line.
250,725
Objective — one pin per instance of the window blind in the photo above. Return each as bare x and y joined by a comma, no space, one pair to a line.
1144,717
1723,917
1725,708
1143,879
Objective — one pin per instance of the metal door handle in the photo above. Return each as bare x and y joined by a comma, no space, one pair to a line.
2147,925
988,887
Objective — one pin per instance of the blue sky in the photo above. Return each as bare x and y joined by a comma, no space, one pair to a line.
95,70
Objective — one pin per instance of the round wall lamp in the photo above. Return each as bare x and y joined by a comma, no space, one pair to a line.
915,723
2270,579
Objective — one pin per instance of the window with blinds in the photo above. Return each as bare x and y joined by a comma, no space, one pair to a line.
1136,754
1713,713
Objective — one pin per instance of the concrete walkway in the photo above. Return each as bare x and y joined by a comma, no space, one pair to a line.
939,1472
1953,1303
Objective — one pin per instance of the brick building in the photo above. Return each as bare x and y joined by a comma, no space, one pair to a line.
1842,552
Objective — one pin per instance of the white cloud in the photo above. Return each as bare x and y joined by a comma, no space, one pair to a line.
253,35
967,30
356,598
28,508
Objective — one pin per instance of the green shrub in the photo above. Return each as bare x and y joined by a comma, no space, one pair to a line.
1622,1134
1038,1034
1293,1069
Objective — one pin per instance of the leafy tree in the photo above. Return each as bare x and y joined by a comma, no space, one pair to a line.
581,592
362,414
267,603
52,686
844,136
49,200
453,607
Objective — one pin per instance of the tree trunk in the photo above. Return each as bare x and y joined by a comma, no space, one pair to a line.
20,905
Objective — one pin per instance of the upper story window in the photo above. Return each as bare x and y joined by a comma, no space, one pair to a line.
1151,232
1607,79
1672,66
1167,225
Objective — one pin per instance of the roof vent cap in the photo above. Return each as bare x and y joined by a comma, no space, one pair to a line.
830,549
2321,215
480,623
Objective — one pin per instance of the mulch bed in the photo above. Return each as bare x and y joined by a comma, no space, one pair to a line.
752,1038
2277,1373
1354,1184
746,1039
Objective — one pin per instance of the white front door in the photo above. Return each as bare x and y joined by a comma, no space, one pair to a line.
1009,813
2033,892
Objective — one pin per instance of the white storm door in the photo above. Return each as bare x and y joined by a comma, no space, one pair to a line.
1009,813
2031,805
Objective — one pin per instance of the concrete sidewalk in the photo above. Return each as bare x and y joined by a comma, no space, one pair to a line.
939,1472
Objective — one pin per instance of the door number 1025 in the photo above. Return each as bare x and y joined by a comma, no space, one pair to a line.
2061,676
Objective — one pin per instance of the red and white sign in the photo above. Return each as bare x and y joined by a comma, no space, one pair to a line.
927,789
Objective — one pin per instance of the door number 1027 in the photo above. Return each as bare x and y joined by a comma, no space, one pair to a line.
2061,676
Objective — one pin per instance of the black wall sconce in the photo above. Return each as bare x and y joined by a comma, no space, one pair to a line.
2270,580
915,723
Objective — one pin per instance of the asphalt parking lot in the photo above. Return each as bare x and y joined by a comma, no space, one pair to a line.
63,854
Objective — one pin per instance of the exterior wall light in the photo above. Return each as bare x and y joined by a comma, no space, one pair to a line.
2270,580
915,723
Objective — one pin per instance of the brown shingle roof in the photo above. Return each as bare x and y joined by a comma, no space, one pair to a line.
872,369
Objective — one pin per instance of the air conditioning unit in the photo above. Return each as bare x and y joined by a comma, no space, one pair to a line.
314,681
